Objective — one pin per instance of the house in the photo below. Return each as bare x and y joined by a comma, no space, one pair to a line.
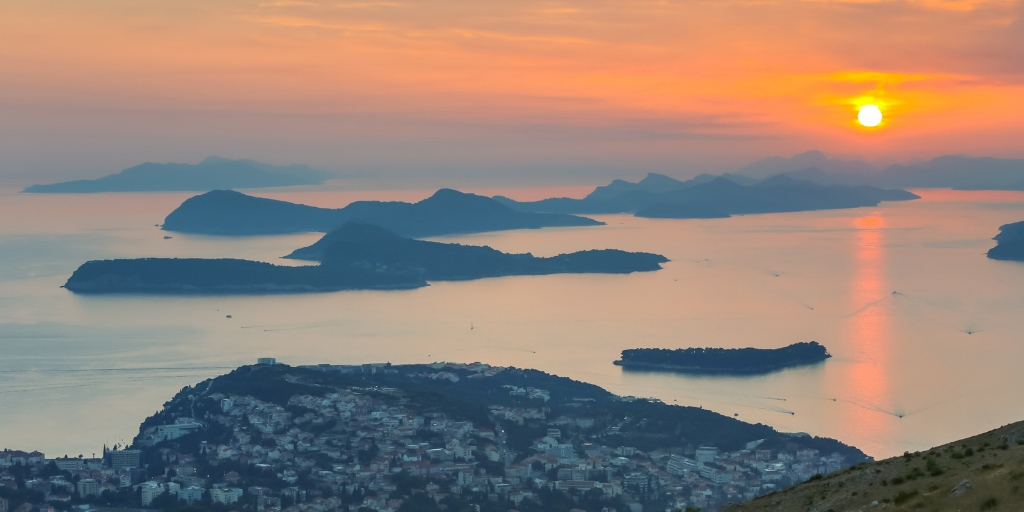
88,487
706,454
191,494
225,495
150,490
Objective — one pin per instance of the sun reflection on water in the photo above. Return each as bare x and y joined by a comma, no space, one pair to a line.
868,375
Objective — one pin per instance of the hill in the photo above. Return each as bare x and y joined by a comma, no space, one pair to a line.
456,437
980,473
1010,244
356,256
226,212
357,245
212,173
715,196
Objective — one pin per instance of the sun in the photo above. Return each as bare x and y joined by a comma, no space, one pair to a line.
870,116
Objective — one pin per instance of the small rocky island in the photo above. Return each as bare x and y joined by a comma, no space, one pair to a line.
1010,244
354,257
724,361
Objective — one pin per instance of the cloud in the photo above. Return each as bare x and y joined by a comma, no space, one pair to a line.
301,22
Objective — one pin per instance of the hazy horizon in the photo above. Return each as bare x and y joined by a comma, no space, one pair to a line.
393,179
545,92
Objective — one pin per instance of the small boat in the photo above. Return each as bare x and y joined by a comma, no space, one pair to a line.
166,237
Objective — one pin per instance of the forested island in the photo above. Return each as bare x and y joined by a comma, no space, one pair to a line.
728,361
1010,243
212,173
226,212
355,257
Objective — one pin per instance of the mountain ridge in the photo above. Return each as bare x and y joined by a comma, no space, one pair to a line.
446,212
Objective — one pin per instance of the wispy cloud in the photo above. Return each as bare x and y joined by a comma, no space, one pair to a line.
301,22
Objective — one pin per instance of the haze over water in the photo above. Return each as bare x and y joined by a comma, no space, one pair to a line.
925,331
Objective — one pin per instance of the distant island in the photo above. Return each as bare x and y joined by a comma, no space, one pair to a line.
1010,244
212,173
355,257
226,212
733,361
958,172
707,196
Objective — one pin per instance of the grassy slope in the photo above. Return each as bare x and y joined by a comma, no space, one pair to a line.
995,470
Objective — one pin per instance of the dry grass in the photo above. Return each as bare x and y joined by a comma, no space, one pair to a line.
993,463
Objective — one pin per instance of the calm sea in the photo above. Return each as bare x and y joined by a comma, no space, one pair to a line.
927,334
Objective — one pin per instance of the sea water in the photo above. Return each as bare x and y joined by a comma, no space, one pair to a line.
926,333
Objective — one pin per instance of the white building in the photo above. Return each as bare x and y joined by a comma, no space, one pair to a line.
123,459
88,487
181,427
150,490
706,454
225,496
191,494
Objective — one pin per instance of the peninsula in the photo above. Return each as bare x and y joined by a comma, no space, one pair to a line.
226,212
357,257
734,361
1010,244
432,437
212,173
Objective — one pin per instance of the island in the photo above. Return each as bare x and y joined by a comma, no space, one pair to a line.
446,212
1010,244
706,196
226,276
357,257
723,361
212,173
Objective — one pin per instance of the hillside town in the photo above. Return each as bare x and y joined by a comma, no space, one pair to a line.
372,449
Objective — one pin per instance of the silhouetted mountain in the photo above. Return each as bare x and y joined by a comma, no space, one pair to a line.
958,172
771,166
1011,243
654,183
364,245
225,212
355,256
950,171
212,173
716,196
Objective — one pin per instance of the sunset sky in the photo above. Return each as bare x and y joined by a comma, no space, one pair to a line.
449,91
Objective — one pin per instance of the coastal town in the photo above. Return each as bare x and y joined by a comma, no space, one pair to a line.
374,448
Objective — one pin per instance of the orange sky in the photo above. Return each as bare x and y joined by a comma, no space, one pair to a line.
443,90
